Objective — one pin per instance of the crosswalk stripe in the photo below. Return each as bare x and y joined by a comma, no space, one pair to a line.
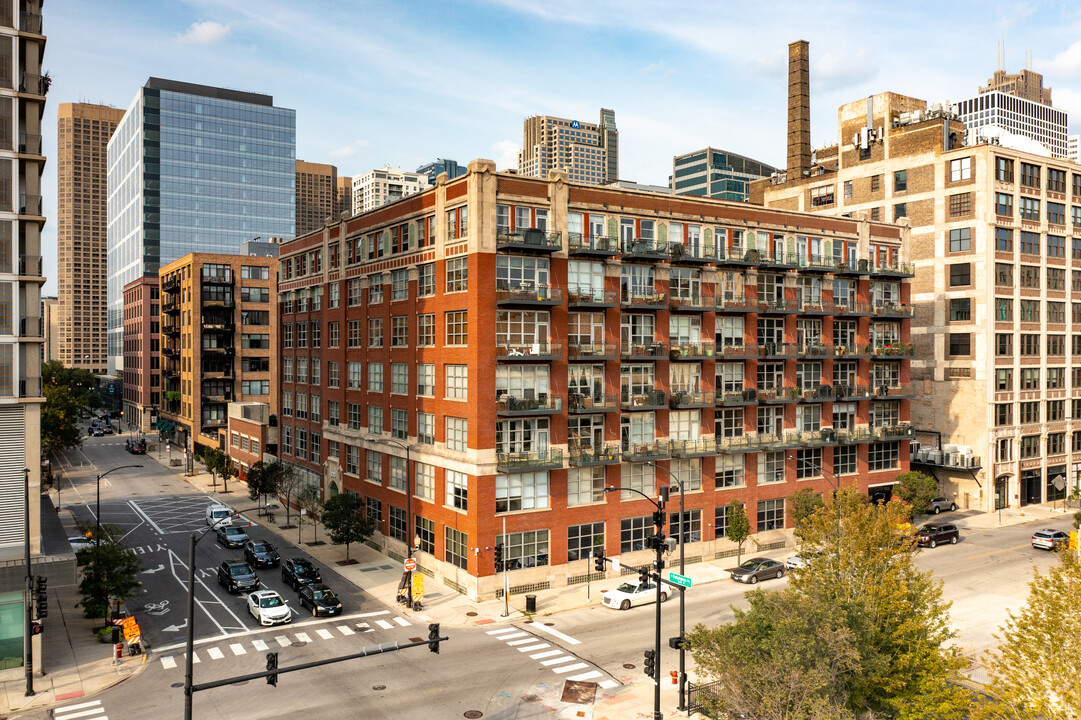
373,614
345,630
80,706
168,662
238,649
325,634
365,627
531,648
96,712
194,658
609,684
403,622
558,660
215,653
501,631
259,645
513,635
548,653
384,624
586,676
283,641
512,643
569,668
304,637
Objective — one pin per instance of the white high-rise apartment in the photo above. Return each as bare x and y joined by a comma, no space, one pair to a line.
1020,108
379,187
589,152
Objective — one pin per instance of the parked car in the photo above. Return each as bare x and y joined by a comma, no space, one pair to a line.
107,429
939,504
232,536
933,535
96,432
260,553
796,562
269,608
298,572
217,513
320,599
1048,539
630,594
237,576
136,447
755,569
80,542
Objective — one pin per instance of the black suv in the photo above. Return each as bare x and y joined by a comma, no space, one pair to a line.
260,553
237,575
298,572
933,535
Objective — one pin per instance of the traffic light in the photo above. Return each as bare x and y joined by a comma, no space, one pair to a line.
271,666
433,637
643,575
677,642
598,561
658,518
498,557
42,599
650,666
36,628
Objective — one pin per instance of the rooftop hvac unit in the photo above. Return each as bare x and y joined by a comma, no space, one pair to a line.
954,459
949,448
935,456
913,449
925,454
970,461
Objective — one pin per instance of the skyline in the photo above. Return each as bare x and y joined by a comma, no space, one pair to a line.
382,100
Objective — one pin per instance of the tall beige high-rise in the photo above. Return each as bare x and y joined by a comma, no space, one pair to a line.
83,132
317,185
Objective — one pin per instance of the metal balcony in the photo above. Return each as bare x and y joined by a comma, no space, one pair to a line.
851,392
893,310
814,307
30,265
29,204
171,329
885,390
895,269
533,351
851,350
738,303
738,256
894,349
744,443
527,294
643,351
171,308
778,395
701,252
843,308
581,403
29,144
30,387
780,260
218,280
217,399
702,447
656,300
771,350
817,263
529,239
737,352
30,22
773,307
683,400
647,400
821,393
227,351
529,460
641,452
595,245
543,404
591,351
858,267
588,456
171,351
695,303
894,432
587,297
170,284
747,396
814,350
32,84
31,327
643,249
692,351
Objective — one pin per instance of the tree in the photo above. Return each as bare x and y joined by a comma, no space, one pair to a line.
804,503
226,468
110,575
739,527
917,490
310,501
79,381
1033,672
344,523
288,482
212,458
59,416
262,480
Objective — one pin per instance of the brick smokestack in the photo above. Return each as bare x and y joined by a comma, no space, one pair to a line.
799,108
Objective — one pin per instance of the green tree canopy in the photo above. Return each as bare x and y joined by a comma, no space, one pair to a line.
79,381
59,418
344,523
802,505
310,500
739,527
110,574
916,489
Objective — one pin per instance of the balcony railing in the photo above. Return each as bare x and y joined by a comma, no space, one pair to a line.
777,394
701,447
529,460
646,400
686,399
784,305
592,351
171,351
218,279
814,307
851,308
737,352
585,456
814,350
30,265
859,434
656,300
529,239
855,267
588,297
641,452
31,327
778,350
738,256
228,351
735,303
817,263
645,249
30,22
533,351
218,399
893,310
692,351
218,326
214,423
851,392
893,432
597,402
543,404
527,294
699,252
695,303
747,396
888,390
894,269
29,144
29,204
745,443
898,349
170,284
780,260
643,351
600,245
33,84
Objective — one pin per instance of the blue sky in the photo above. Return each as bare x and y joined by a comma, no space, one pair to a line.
400,83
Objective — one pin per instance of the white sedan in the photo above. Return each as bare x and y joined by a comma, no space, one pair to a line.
631,593
269,608
80,542
796,562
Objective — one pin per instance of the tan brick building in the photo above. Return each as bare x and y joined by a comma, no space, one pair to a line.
317,195
83,133
996,244
219,331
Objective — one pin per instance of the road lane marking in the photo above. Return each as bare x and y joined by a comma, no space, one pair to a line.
569,668
304,637
238,649
259,645
283,641
531,648
501,631
325,634
586,676
402,622
194,658
96,712
530,639
513,635
609,684
215,653
174,561
365,627
373,614
559,660
168,662
556,633
139,511
345,630
546,653
257,631
384,624
80,706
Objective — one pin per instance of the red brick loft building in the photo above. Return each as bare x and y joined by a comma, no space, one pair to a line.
500,349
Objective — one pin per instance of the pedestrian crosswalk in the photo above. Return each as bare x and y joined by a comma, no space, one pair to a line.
552,658
89,710
232,647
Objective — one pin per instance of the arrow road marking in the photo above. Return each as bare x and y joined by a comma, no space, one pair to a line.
159,568
176,628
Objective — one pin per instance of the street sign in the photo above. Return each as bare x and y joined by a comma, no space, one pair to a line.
410,564
418,586
615,563
677,579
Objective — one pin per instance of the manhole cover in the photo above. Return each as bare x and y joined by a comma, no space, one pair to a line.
416,639
577,691
628,666
549,624
379,687
177,685
470,614
473,714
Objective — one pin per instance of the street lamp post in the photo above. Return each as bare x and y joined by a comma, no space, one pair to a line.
682,616
408,511
97,510
193,540
29,630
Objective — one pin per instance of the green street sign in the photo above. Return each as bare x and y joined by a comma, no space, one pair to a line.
681,580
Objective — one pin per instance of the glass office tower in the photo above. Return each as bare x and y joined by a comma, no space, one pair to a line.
194,168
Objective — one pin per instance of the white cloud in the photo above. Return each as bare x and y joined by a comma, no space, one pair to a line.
1070,101
205,33
1065,64
505,153
350,150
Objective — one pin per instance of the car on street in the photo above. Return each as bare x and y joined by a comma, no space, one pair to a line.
260,553
96,432
755,569
237,576
218,513
935,534
80,542
938,504
232,536
269,608
796,562
630,594
136,447
1048,539
298,572
108,429
320,599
